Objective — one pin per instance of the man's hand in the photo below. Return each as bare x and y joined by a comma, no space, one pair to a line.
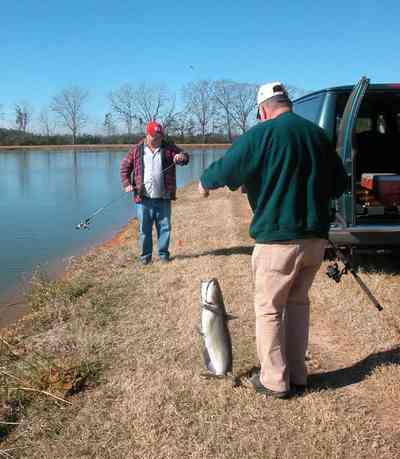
203,191
179,158
128,189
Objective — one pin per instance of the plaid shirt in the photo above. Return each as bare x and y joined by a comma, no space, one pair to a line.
132,169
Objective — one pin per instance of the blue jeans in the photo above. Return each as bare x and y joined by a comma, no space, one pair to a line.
157,211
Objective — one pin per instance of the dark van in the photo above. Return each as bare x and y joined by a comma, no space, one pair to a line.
363,121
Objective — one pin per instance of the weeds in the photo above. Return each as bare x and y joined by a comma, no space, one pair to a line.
12,408
44,291
24,376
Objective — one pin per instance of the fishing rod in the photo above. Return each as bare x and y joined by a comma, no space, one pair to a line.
334,273
84,224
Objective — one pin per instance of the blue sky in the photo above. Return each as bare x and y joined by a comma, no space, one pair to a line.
100,45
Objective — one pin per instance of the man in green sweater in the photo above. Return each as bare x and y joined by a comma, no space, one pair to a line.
291,172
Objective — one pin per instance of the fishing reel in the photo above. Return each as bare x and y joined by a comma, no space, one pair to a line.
333,272
84,224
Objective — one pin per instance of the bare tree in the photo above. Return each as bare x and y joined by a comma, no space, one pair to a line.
109,124
46,123
168,113
155,102
224,92
68,106
21,118
2,116
123,105
142,104
150,101
181,124
244,102
199,100
294,91
23,115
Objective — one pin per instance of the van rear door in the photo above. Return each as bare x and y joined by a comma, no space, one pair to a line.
345,206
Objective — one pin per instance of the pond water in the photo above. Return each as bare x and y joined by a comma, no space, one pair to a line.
46,193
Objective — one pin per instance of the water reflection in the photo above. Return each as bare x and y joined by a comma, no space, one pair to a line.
46,193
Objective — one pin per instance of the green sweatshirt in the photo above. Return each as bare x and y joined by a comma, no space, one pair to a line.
291,172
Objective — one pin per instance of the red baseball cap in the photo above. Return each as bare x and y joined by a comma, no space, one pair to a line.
154,128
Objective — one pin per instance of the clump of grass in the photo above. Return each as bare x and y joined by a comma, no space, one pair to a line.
63,375
103,307
24,378
11,409
54,301
43,290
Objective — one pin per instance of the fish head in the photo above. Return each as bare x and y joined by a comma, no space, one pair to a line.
211,296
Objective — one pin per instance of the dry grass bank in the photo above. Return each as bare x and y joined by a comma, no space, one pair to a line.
118,341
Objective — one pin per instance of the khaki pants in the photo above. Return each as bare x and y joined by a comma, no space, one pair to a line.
283,274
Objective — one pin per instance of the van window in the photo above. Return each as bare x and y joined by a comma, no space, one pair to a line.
309,108
362,124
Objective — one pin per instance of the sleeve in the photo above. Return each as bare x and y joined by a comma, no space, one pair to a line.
235,168
126,168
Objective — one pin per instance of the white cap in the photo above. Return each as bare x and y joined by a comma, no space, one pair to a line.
268,90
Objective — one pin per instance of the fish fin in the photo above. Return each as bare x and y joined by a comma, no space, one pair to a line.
231,317
219,312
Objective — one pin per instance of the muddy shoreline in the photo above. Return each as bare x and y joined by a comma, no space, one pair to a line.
13,306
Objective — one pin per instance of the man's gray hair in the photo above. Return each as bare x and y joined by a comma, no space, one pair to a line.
278,101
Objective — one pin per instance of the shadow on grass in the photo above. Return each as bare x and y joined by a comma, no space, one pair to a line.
355,373
238,250
370,263
343,377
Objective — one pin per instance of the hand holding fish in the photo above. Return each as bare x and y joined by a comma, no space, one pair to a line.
203,191
128,188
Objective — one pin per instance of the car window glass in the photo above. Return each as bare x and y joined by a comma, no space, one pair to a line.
362,124
309,108
379,112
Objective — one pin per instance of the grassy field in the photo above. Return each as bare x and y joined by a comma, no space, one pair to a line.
108,364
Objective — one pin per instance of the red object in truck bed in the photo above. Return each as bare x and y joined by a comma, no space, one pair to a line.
385,186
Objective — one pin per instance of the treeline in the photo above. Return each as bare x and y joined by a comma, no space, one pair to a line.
209,112
13,137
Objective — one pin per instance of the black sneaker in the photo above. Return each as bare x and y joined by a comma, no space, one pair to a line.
261,389
145,261
164,260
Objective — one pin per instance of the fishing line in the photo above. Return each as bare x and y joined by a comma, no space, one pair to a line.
84,224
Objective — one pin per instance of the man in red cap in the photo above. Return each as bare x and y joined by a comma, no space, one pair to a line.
149,171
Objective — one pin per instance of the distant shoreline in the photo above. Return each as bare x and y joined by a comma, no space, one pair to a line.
103,146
